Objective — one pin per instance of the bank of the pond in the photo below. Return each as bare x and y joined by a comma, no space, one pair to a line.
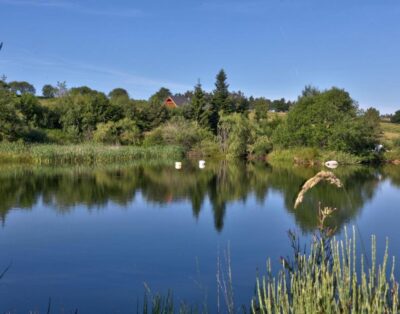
84,153
313,156
88,153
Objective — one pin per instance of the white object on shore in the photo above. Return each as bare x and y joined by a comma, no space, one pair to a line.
202,164
178,165
332,164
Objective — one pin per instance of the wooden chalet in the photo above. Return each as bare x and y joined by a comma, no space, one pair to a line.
176,101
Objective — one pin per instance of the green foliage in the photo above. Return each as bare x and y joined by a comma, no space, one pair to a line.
160,96
178,132
49,91
312,156
124,132
198,106
220,98
83,109
234,133
11,125
280,105
32,111
239,102
118,92
83,153
396,117
261,147
329,120
329,280
21,87
261,106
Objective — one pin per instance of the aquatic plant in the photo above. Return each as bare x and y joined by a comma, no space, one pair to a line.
83,153
329,280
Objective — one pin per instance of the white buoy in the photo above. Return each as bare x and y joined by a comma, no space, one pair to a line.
202,164
178,165
332,164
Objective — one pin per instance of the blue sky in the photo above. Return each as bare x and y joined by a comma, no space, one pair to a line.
269,48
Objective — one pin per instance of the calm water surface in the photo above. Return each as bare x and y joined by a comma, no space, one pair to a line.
90,238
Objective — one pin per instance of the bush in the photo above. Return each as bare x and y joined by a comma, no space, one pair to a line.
124,132
179,132
396,117
234,134
330,120
261,147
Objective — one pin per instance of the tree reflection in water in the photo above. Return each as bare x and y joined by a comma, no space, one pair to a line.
221,183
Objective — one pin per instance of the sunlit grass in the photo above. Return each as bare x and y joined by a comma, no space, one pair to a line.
330,279
83,153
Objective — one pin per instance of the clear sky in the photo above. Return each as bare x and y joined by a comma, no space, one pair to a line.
269,48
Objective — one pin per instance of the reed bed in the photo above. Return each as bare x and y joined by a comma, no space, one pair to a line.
84,153
329,280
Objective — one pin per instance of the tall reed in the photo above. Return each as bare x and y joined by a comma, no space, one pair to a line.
83,153
329,280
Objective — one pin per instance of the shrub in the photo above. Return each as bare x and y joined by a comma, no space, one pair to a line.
330,120
329,280
179,132
123,132
234,134
261,147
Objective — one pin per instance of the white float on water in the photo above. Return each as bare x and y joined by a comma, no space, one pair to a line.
202,164
332,164
178,165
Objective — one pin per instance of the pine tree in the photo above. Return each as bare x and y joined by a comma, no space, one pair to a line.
221,99
198,103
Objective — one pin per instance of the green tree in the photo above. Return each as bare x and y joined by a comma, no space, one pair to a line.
22,87
240,102
396,117
234,133
198,105
123,132
328,119
261,106
11,126
82,112
220,98
32,111
159,97
118,92
49,91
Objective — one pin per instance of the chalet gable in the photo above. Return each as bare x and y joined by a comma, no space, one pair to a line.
176,101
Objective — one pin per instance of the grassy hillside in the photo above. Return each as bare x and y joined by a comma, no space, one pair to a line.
391,133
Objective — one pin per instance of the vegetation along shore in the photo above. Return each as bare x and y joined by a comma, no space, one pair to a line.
84,125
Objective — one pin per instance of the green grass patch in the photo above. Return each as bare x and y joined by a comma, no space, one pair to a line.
390,134
84,153
312,156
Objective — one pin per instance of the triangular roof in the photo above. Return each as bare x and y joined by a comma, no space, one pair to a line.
180,100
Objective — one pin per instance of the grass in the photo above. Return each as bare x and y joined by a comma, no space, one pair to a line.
391,132
84,153
311,156
391,141
329,280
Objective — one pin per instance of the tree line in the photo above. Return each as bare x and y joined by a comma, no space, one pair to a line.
214,122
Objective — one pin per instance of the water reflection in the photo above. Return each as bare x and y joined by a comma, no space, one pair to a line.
220,183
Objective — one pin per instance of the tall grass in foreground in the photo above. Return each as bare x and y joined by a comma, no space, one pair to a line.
329,280
83,153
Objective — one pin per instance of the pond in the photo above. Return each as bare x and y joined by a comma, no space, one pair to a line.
95,238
